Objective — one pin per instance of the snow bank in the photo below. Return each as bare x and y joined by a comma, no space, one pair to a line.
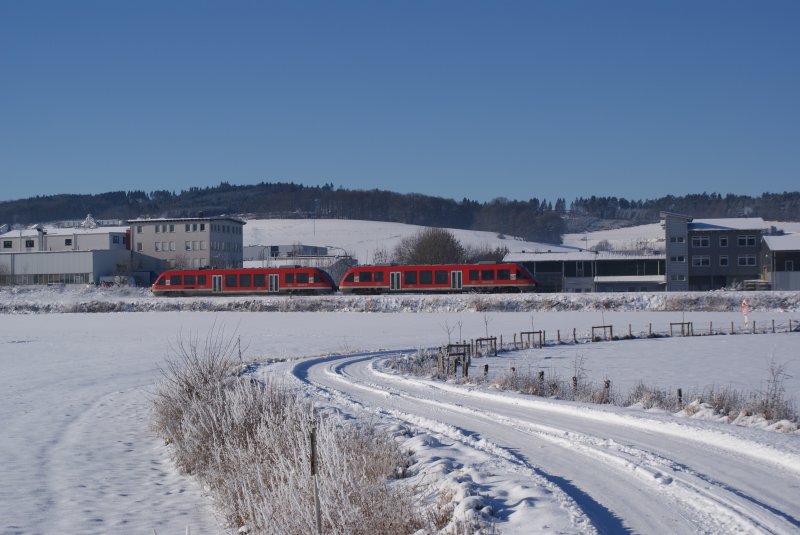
70,299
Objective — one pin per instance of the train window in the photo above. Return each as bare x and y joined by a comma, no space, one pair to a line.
425,277
487,274
379,276
503,274
288,278
349,277
302,278
474,275
175,280
365,276
188,280
520,275
244,280
161,281
201,280
440,277
259,280
230,281
410,277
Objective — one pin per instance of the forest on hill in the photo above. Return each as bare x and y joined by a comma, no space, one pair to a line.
532,219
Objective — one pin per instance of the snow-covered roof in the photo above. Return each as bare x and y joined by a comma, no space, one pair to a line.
730,223
58,231
179,219
659,279
787,242
578,256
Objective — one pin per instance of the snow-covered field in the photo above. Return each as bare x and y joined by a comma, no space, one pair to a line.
78,455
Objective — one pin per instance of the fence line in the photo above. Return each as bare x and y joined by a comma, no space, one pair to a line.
490,345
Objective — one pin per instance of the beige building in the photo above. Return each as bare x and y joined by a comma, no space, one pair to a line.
191,242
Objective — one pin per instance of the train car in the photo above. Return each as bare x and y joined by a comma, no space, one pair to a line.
284,280
488,277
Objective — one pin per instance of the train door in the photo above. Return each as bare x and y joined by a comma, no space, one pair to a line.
216,283
273,282
394,280
455,280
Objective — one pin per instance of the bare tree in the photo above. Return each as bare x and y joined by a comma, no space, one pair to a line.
430,246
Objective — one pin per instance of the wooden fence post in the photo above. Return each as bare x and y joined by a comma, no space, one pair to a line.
773,326
485,370
680,397
558,334
575,337
732,328
630,332
313,459
606,389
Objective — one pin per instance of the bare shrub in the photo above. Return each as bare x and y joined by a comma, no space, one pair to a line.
650,397
423,363
249,443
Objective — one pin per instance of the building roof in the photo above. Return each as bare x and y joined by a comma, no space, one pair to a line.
182,219
730,223
579,256
787,242
58,231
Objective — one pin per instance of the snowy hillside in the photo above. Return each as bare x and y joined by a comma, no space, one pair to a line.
364,239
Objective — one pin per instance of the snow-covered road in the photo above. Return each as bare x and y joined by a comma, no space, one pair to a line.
607,467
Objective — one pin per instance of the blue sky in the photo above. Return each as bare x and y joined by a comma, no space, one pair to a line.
454,99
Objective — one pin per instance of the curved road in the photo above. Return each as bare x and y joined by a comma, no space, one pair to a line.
623,471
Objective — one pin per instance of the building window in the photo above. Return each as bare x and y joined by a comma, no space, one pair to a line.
747,241
723,261
723,241
194,227
789,265
747,260
138,229
701,260
28,243
203,227
114,239
68,241
158,246
188,227
138,246
172,246
701,241
677,277
158,229
188,246
202,245
678,258
676,239
7,244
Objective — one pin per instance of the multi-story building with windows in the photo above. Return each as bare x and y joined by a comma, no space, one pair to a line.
191,242
709,254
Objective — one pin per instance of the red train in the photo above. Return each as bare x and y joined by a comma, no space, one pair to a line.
438,278
453,278
289,280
